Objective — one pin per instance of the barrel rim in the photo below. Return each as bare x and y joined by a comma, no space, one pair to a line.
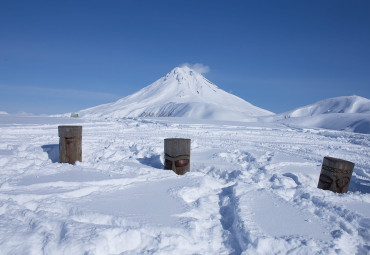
177,139
69,131
69,126
338,160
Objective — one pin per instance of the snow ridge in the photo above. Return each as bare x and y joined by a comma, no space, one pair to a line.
181,93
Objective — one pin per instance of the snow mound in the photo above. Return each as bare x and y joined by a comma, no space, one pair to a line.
351,113
181,93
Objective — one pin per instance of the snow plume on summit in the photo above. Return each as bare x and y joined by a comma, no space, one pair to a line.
183,92
197,67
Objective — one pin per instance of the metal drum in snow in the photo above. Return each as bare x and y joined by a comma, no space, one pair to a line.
70,144
335,175
177,155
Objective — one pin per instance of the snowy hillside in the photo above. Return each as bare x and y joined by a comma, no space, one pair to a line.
251,189
350,113
181,93
348,104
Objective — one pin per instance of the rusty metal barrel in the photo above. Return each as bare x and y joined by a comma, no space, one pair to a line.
70,144
177,155
335,175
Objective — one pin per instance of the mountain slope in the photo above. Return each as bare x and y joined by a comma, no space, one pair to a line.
346,104
351,113
181,93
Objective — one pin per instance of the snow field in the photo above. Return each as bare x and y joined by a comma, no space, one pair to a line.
251,190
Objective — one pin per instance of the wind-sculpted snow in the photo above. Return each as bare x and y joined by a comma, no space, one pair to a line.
251,190
181,93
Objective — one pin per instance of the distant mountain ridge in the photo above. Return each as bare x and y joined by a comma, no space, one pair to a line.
186,93
350,113
181,93
345,104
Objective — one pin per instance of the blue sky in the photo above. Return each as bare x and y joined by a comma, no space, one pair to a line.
63,56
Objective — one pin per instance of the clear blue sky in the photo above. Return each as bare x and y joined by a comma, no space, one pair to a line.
63,56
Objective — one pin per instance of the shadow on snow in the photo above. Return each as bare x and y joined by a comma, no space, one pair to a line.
360,185
53,152
152,161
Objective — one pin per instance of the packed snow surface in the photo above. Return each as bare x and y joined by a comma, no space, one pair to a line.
181,93
251,189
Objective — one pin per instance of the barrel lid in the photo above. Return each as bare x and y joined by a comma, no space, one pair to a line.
70,131
177,139
177,146
338,163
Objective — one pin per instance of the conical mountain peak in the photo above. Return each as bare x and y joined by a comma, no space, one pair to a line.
183,70
183,74
183,92
187,80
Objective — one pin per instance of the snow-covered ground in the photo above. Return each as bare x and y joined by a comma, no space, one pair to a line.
251,189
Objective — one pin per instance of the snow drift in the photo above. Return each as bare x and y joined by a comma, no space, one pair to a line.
181,93
351,113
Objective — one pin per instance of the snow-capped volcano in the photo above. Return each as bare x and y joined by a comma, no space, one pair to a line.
181,93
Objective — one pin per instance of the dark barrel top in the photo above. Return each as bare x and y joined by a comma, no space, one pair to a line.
70,131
